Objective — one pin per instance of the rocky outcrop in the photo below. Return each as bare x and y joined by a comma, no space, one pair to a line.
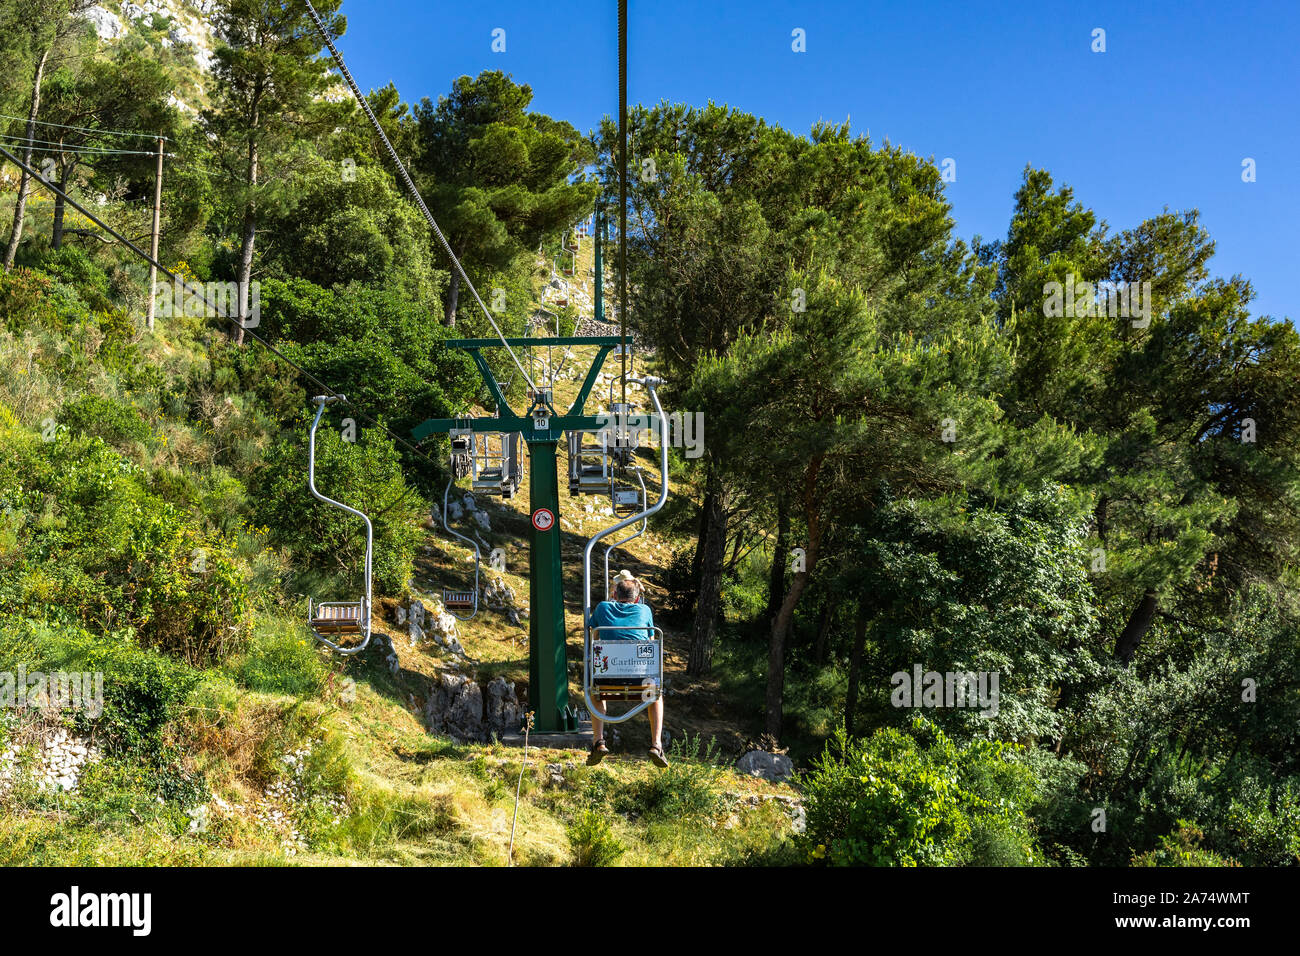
459,707
436,624
55,762
776,768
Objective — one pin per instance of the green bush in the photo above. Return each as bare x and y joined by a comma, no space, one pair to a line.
1263,823
592,841
366,475
104,551
115,423
143,689
281,659
75,267
900,799
1182,848
689,786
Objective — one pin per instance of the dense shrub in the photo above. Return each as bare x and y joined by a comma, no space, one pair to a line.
1182,848
365,475
917,799
112,421
689,786
592,841
97,547
143,690
281,660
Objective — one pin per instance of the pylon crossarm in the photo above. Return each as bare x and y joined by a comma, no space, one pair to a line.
494,387
589,382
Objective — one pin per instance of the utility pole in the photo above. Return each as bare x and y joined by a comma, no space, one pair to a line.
622,192
153,246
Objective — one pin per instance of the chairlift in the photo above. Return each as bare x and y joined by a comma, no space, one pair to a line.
589,465
456,602
338,619
619,669
620,436
626,500
496,464
462,449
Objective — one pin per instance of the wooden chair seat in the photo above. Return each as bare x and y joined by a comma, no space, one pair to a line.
335,619
458,600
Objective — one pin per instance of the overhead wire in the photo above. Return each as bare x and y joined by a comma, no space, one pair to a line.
52,147
85,129
622,190
203,295
410,185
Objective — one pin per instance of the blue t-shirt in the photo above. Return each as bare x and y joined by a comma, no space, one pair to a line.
618,614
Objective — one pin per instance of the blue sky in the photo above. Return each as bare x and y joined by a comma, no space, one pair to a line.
1184,92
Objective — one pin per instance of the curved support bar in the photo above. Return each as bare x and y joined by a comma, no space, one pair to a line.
321,401
650,384
636,534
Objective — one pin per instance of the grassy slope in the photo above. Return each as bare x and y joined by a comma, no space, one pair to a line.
369,785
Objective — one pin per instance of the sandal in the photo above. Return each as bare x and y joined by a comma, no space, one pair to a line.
657,755
598,752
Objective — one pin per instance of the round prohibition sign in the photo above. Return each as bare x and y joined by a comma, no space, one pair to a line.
543,519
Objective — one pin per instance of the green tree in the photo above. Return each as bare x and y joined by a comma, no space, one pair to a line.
268,79
33,32
497,177
1195,481
127,91
326,542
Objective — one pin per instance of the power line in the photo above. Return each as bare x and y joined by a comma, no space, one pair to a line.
85,129
84,150
203,295
365,105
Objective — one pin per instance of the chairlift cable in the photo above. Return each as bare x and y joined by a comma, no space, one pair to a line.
622,190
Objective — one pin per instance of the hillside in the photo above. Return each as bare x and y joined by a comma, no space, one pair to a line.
276,754
977,553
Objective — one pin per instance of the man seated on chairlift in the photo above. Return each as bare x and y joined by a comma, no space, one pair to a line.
627,610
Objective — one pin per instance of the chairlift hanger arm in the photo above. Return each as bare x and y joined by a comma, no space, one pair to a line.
365,610
446,523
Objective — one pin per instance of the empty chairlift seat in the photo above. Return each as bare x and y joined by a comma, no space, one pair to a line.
589,464
331,621
459,600
497,465
337,618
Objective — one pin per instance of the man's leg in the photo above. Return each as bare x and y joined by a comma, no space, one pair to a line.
657,723
597,729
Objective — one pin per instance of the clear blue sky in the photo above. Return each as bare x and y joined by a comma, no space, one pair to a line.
1184,92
